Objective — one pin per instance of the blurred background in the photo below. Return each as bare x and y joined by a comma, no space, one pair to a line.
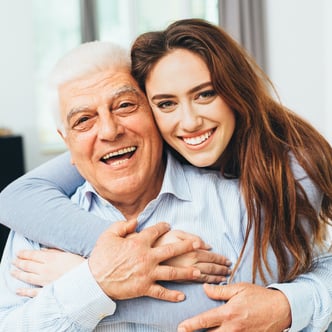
291,40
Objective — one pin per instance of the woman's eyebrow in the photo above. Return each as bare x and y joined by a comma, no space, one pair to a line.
161,96
194,89
200,87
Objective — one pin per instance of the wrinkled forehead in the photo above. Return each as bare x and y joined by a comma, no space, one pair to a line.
111,78
108,85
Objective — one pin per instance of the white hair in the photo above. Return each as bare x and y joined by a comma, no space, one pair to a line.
87,58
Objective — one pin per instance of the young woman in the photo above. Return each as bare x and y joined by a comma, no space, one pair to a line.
214,108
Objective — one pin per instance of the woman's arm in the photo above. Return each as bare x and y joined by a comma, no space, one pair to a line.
37,205
62,306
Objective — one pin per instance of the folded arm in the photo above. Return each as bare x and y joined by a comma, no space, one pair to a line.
61,306
37,205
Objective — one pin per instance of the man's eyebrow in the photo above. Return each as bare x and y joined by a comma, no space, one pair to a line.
123,90
76,110
117,93
193,90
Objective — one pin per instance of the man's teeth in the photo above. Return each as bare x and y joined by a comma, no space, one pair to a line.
198,139
119,152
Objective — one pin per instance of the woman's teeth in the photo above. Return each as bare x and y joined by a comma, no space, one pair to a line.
198,139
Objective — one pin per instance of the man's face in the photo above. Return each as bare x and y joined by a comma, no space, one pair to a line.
112,136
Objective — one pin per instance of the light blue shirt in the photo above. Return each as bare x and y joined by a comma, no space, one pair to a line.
193,200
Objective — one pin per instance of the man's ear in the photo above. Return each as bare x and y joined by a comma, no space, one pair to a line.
65,140
61,135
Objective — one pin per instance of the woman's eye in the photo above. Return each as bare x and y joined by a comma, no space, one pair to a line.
206,94
166,104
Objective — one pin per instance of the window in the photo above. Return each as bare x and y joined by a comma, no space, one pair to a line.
58,28
122,21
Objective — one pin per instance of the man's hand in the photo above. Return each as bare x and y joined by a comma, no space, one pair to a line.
249,308
213,267
130,267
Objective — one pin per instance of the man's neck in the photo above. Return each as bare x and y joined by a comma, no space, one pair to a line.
134,203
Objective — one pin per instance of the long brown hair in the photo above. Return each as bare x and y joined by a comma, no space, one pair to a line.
266,138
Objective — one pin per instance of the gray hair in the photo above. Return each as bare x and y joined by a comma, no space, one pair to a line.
87,58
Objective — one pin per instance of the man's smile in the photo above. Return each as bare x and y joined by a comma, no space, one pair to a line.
119,156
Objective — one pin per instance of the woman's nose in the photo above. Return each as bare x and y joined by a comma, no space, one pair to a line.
191,119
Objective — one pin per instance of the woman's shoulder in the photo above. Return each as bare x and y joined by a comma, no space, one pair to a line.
298,171
310,188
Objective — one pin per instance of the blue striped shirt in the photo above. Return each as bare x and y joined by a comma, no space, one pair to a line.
193,200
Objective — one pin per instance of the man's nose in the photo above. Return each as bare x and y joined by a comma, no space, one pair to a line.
110,128
191,120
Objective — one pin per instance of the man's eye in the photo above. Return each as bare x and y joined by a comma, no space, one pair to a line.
125,108
81,120
82,123
126,105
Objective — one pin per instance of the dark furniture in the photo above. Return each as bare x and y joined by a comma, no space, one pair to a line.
11,167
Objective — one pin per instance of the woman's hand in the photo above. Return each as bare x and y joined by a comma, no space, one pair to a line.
214,267
248,307
42,267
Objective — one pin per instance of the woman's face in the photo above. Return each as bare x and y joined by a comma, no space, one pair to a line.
191,117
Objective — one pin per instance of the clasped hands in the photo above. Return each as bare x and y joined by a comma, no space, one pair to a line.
127,264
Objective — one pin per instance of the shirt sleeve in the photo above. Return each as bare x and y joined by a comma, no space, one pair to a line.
37,205
61,306
310,297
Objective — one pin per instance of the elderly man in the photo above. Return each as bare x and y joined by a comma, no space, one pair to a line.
115,145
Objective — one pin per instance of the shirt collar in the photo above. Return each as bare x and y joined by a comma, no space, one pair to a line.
175,181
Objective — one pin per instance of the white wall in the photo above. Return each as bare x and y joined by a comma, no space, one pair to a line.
299,49
328,69
299,45
17,100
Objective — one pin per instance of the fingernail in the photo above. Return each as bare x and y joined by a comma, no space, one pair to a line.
180,297
19,291
196,245
228,262
181,329
197,273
